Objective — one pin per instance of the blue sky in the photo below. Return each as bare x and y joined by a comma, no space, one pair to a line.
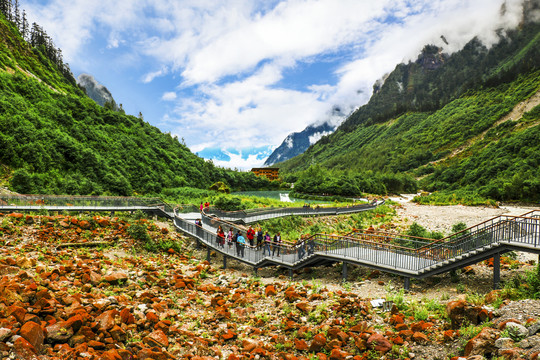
234,78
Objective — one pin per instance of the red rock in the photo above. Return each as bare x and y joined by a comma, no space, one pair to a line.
337,354
34,334
228,335
29,219
379,343
249,345
456,312
303,307
482,343
103,222
397,319
59,332
300,344
157,338
151,354
152,317
96,344
535,355
400,327
420,338
448,335
116,277
318,342
127,317
407,334
118,334
16,215
83,224
24,350
502,324
107,319
18,312
398,340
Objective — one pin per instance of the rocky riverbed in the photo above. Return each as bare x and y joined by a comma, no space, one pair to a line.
80,287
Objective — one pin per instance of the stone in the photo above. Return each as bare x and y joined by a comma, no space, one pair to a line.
504,343
420,338
59,332
300,344
517,330
318,343
483,343
24,350
107,319
534,328
157,338
34,334
116,277
379,343
5,334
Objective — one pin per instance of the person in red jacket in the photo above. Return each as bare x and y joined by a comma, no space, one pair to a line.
250,235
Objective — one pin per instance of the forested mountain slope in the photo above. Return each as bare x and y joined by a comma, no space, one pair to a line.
440,119
54,139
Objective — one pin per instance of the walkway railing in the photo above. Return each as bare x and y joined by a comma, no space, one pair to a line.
400,254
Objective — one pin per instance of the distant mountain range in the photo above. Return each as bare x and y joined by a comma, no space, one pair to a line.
298,142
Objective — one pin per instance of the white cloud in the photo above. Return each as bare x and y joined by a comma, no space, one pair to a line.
169,96
149,77
230,60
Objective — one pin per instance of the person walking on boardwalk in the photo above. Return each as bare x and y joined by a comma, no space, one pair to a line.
241,241
250,235
267,242
276,245
259,237
300,247
220,236
230,237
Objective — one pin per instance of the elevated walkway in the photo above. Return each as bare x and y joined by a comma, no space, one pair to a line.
393,253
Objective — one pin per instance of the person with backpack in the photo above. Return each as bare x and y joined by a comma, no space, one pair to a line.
267,242
241,242
276,244
259,237
250,235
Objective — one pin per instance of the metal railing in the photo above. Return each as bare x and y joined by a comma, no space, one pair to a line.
393,252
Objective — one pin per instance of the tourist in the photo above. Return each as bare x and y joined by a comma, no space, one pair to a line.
276,245
259,237
300,246
250,235
267,242
241,241
220,236
230,237
201,207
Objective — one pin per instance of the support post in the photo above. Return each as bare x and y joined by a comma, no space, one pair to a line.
224,261
344,271
208,253
290,274
256,269
407,283
496,270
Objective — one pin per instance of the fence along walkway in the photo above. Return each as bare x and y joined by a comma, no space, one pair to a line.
392,253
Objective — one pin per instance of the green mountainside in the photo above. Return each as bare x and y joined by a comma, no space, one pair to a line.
54,139
465,122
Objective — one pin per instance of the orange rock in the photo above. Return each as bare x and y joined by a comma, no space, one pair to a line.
379,343
318,342
34,334
420,338
300,344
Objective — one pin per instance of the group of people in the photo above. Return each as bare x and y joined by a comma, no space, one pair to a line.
255,238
